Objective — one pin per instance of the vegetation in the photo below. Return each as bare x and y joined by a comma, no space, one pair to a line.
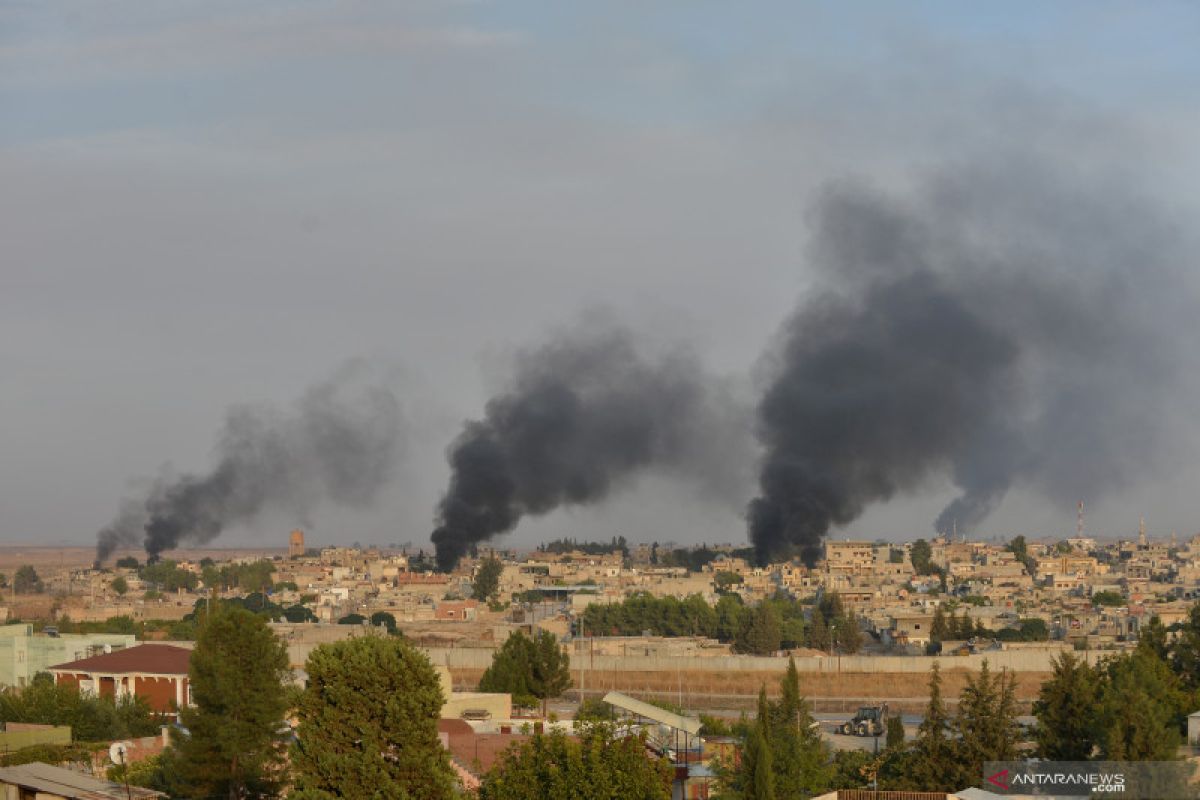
386,620
237,731
167,576
601,765
127,562
487,580
26,581
1109,598
618,545
92,719
921,556
368,724
528,669
119,585
784,755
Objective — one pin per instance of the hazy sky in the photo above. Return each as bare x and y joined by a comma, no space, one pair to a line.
205,203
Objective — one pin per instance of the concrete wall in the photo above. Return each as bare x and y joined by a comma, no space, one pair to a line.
1038,660
14,737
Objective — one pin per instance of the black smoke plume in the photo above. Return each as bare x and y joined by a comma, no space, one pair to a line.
1020,325
582,416
339,444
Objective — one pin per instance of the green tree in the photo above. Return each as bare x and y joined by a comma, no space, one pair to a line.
939,628
26,581
1066,711
849,634
895,732
921,556
1108,597
1141,710
90,718
487,579
1185,654
761,632
986,723
528,669
799,757
933,751
128,562
385,619
119,585
599,766
818,632
368,724
352,619
236,745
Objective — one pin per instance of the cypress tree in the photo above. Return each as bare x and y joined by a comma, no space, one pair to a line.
368,724
1066,711
235,747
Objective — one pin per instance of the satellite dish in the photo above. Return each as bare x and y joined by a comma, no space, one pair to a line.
118,752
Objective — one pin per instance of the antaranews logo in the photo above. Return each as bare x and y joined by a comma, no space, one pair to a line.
999,779
1126,780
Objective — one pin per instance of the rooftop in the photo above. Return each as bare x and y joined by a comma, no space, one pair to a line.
152,659
44,778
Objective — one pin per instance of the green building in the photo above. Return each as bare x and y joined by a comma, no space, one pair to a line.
24,654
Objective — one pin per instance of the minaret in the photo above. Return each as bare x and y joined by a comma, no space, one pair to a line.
1079,521
1142,533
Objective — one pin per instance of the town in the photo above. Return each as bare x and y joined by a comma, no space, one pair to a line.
679,638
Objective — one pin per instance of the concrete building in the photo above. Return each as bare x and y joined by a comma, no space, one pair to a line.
156,672
24,654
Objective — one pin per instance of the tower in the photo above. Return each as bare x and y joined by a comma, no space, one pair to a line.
1079,521
1142,533
296,544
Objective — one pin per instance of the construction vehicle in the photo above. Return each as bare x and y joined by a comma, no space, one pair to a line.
869,721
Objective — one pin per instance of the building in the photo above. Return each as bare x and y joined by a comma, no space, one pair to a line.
156,672
296,544
24,654
46,782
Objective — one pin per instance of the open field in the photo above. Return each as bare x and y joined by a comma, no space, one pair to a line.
79,557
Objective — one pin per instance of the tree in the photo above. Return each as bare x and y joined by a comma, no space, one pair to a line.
895,732
235,748
761,633
119,585
921,556
368,724
1185,655
352,619
849,634
26,581
385,619
528,669
939,629
601,765
90,718
1142,707
986,723
818,632
933,751
487,579
128,562
1066,711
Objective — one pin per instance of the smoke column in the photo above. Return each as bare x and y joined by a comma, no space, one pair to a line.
339,444
582,416
999,326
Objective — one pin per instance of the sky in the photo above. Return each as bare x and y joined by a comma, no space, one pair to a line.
205,204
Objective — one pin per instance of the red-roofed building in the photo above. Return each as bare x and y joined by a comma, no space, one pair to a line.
157,672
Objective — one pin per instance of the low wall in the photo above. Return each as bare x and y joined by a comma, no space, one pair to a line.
1032,660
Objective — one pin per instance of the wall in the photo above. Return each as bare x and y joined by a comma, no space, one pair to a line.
22,656
1038,660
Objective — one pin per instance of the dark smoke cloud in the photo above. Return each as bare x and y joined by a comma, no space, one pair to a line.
339,444
1011,325
582,417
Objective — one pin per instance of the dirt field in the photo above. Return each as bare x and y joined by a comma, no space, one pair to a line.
77,557
907,692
